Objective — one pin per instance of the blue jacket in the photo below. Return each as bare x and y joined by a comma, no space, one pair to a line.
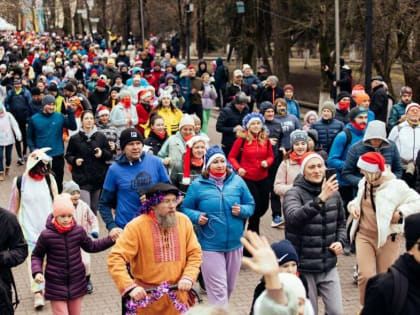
327,130
351,173
338,151
47,131
124,183
397,111
223,231
18,104
293,107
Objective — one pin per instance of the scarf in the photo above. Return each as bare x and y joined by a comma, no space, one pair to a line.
295,158
161,135
218,178
126,102
357,126
187,138
197,162
36,176
63,229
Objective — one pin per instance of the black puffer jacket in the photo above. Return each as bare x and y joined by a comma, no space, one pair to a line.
311,228
13,252
228,118
91,174
327,130
379,103
155,142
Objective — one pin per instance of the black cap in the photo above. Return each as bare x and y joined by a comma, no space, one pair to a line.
411,230
35,91
52,87
161,188
128,135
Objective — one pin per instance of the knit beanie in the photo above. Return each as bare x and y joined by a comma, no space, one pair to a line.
330,106
124,93
371,162
186,120
213,153
48,99
356,112
101,83
249,118
306,157
165,94
186,180
288,87
70,187
285,252
128,135
102,110
357,89
265,106
342,95
298,135
313,133
410,106
361,97
411,230
62,205
52,87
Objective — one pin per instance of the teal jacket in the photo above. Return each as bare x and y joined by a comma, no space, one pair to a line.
397,111
223,230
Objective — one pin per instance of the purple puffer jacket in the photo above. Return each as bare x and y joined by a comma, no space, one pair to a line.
65,274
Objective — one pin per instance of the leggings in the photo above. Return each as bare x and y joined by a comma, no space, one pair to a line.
260,190
21,151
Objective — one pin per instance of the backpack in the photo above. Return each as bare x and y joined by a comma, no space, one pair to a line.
348,137
47,178
400,290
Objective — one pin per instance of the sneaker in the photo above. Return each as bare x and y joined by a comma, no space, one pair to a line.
20,162
89,287
355,274
39,301
277,221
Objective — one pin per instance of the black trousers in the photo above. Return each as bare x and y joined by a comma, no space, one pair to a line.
58,169
21,151
196,109
274,198
260,190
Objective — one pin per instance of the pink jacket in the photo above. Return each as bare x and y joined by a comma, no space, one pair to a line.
86,218
286,174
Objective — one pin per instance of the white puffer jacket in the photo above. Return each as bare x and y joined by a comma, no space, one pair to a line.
407,140
393,195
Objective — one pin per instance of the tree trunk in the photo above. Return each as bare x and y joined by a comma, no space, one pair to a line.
410,58
67,17
281,42
249,34
181,30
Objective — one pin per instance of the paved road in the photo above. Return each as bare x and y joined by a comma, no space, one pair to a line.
106,299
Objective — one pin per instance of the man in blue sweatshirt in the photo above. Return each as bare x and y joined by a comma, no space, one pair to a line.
45,130
127,180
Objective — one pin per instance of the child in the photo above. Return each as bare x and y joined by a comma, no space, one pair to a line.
293,107
65,277
288,262
208,99
310,118
197,126
85,218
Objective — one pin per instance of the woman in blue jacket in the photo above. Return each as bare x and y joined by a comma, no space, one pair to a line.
219,202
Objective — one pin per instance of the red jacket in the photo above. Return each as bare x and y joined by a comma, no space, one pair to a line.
252,156
143,117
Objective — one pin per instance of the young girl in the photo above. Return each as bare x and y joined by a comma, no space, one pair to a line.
208,99
86,218
310,118
157,135
65,276
170,113
8,130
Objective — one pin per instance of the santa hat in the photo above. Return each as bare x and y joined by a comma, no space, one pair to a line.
103,110
306,157
186,180
371,162
143,94
410,106
357,89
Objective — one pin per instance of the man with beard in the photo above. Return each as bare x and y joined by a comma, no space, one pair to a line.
397,114
160,246
31,200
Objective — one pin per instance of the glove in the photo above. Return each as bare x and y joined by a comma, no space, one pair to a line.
94,234
411,168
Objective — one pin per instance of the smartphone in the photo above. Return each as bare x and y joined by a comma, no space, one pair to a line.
329,172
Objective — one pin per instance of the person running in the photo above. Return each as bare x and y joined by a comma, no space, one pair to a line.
31,200
251,156
288,122
378,212
87,153
157,135
208,98
219,203
124,114
61,242
170,252
293,107
169,112
289,168
9,131
316,226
